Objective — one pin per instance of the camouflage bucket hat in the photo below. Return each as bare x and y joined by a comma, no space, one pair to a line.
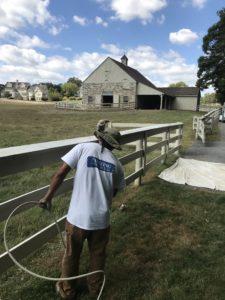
110,136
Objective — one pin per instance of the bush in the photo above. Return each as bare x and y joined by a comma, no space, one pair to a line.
72,98
55,96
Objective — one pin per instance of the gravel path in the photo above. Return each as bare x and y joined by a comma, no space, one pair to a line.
211,151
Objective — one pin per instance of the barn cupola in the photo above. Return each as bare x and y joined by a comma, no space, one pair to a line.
124,60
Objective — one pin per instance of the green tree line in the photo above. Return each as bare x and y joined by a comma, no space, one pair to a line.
211,65
68,89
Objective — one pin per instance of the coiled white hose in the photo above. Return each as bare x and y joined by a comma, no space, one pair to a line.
38,275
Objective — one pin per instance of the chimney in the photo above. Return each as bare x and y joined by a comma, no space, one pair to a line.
124,60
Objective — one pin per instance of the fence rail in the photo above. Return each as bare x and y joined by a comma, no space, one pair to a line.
22,158
94,106
222,116
205,124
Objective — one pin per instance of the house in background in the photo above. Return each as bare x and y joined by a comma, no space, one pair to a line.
25,91
115,83
38,92
15,90
1,88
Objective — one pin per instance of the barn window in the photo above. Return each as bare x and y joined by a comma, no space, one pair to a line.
125,99
90,99
107,75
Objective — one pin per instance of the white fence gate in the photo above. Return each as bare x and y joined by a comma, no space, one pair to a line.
205,124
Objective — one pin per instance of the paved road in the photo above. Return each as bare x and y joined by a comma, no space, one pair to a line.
211,151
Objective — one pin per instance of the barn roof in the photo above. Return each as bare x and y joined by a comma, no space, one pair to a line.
170,91
137,76
180,91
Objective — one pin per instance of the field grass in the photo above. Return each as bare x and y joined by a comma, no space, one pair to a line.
26,123
168,243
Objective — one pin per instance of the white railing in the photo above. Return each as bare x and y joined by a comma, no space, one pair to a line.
222,116
23,158
94,106
205,124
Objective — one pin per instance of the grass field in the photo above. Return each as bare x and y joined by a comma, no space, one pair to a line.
31,123
168,244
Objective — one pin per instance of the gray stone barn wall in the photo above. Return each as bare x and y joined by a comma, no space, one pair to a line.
118,90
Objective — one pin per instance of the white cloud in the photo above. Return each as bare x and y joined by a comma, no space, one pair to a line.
31,75
183,37
55,64
67,48
18,13
80,20
99,21
4,31
196,3
57,28
162,69
30,65
14,55
112,49
7,33
85,63
21,40
31,42
132,9
199,3
161,20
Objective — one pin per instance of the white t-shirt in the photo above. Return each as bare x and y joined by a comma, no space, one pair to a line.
97,175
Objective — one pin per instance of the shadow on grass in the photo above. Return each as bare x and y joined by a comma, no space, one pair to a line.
167,244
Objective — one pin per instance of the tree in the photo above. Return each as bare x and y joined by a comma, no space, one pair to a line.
69,89
54,95
53,87
211,66
209,98
75,80
178,84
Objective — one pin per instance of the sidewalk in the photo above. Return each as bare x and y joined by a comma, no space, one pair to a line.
211,151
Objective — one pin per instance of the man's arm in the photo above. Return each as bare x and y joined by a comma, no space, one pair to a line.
57,179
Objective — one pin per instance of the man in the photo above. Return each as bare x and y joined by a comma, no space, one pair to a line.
99,175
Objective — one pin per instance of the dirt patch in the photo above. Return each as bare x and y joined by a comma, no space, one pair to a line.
174,237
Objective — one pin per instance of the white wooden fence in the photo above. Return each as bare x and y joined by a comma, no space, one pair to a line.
205,124
72,105
222,116
23,158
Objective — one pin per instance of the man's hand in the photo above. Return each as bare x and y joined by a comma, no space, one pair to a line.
45,204
46,201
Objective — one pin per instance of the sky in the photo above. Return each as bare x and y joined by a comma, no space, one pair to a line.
53,40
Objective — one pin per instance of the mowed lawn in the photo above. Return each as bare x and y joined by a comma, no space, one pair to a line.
169,243
26,123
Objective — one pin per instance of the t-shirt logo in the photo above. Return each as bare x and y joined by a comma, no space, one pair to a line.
94,162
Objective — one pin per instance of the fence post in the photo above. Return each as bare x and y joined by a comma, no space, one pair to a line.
178,141
145,146
197,128
138,162
164,147
203,132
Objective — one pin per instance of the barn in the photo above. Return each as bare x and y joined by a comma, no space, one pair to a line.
116,84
